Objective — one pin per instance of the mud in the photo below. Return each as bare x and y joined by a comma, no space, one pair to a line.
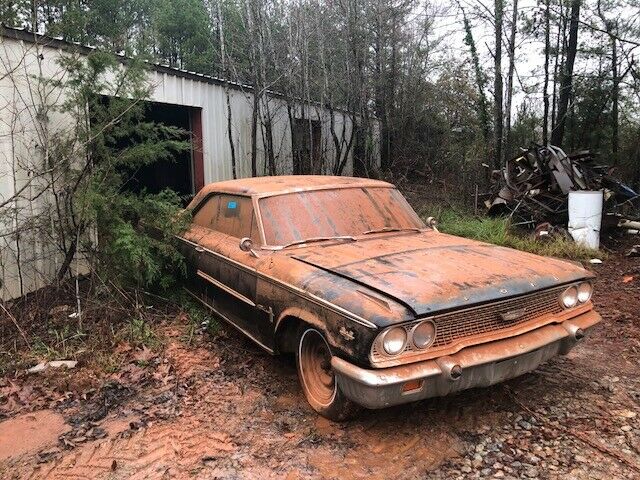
30,433
218,407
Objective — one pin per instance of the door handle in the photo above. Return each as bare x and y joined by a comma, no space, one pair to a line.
199,249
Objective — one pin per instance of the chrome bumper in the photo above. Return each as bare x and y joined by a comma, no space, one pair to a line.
477,366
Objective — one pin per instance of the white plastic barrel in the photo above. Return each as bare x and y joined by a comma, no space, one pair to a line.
585,217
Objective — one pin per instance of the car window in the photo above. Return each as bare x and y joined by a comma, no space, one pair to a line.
229,214
333,212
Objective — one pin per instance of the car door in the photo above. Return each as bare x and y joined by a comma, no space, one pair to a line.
224,276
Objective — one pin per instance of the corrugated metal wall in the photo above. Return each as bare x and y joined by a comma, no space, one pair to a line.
28,256
217,150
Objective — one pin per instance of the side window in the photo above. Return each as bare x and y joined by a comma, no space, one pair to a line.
205,216
229,214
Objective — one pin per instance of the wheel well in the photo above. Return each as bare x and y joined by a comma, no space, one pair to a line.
287,334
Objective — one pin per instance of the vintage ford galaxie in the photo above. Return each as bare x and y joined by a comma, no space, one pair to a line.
378,307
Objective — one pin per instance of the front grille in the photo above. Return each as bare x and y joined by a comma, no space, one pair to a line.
484,319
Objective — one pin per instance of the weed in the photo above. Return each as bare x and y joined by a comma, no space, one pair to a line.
198,315
60,344
139,332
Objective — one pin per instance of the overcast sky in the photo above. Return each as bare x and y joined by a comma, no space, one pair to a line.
530,51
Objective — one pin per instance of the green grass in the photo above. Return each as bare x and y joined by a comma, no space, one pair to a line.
499,232
139,332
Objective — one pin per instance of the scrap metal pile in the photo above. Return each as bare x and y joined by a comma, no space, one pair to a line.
534,186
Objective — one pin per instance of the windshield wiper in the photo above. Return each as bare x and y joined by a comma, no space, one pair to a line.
319,239
392,229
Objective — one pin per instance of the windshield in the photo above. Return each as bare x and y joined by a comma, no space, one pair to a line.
339,212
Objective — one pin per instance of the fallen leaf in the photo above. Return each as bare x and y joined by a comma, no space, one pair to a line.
123,347
144,355
627,279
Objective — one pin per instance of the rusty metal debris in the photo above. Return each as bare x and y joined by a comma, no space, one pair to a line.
533,187
634,251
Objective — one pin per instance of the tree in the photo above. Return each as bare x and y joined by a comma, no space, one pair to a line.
188,48
545,90
566,82
512,64
480,78
497,86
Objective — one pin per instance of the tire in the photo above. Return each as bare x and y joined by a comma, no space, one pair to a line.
318,382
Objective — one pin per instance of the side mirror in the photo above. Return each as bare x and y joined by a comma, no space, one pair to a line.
432,223
246,245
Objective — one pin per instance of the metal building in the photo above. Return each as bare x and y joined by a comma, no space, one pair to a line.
302,134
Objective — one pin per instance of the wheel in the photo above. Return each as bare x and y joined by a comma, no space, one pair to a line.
319,383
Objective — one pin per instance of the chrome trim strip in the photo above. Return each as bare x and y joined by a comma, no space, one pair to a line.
258,215
329,186
221,285
226,319
308,296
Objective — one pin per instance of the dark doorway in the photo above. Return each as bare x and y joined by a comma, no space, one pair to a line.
183,172
307,139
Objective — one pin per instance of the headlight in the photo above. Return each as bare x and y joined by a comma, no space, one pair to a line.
569,297
394,340
585,289
423,334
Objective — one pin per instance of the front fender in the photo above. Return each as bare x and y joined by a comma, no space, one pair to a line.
347,339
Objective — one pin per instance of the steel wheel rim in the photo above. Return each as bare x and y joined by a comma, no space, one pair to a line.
314,358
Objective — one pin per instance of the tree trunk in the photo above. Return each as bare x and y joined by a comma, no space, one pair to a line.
557,135
615,95
225,76
497,86
562,26
611,27
256,84
512,64
545,117
254,133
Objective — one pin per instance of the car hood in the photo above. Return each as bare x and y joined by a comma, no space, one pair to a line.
429,271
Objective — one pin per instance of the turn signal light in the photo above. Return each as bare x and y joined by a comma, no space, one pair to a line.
411,386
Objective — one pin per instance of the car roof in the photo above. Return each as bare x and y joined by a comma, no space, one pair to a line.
278,185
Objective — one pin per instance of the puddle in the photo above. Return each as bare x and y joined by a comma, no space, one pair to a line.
30,433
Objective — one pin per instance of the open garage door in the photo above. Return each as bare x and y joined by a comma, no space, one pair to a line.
184,171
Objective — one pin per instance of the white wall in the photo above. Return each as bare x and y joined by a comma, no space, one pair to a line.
28,255
25,239
217,150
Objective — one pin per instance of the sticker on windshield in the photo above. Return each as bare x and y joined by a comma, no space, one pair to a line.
232,205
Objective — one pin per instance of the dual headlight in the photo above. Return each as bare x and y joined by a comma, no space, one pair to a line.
421,336
576,295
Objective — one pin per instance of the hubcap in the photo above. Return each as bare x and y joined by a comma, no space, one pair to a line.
315,367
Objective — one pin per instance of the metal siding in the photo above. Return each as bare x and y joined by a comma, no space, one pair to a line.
39,257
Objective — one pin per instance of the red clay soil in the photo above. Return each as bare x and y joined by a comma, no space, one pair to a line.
220,408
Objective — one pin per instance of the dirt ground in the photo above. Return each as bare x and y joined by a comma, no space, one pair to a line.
215,406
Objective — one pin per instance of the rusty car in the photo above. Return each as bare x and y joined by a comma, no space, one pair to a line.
376,305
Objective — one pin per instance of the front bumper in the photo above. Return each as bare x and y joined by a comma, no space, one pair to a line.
479,365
